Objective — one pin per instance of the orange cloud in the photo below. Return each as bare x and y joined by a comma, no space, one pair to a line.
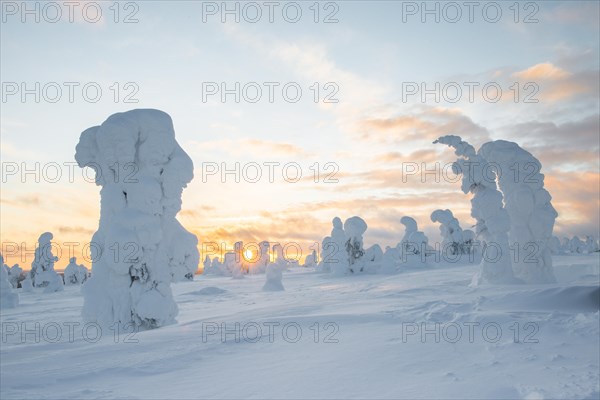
543,71
425,124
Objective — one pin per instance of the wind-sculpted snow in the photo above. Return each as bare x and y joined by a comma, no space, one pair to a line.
520,208
139,247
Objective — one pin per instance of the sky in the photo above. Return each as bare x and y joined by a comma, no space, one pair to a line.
356,90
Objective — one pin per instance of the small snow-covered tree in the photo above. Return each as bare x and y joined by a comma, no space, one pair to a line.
333,249
8,297
273,278
327,251
279,257
74,273
452,234
576,245
311,260
217,266
354,228
591,244
142,171
207,266
414,241
390,260
264,257
555,246
373,258
42,271
14,275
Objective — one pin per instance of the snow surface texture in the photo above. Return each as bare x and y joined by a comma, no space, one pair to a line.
366,351
493,222
8,297
142,171
42,273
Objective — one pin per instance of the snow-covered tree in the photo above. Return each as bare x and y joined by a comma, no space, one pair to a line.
311,260
555,246
273,278
453,241
373,258
493,222
414,241
264,257
8,297
207,270
519,178
354,228
14,275
333,249
509,202
591,244
279,257
576,245
74,273
218,267
142,171
390,260
42,272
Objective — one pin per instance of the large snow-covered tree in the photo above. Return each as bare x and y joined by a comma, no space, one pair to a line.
511,207
139,247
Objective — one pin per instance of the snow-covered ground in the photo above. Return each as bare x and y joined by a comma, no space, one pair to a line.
369,342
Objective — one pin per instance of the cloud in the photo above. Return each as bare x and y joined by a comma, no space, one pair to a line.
238,147
576,197
556,83
75,229
573,142
583,13
543,71
424,124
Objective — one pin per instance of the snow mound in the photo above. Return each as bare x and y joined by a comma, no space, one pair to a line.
208,291
274,277
580,298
